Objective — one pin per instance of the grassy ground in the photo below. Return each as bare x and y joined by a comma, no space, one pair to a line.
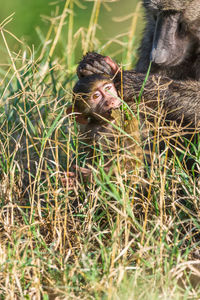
102,240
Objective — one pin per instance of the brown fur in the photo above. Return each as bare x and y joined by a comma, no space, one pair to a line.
116,135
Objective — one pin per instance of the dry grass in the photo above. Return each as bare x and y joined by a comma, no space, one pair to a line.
107,239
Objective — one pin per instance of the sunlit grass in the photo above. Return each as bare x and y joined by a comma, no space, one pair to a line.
106,239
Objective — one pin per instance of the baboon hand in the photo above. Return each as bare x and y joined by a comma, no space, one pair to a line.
69,179
94,63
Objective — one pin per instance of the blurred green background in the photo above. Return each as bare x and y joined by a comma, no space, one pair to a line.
31,17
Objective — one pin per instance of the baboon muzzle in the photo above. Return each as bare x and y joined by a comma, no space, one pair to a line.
166,40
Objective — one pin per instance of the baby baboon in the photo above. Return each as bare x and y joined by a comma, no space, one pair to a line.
106,129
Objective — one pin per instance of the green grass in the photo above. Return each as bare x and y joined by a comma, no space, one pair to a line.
106,239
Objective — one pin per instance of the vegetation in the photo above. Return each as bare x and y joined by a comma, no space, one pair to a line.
104,239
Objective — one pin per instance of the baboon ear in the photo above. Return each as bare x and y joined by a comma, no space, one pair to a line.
80,118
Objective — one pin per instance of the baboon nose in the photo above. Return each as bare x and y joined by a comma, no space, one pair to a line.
109,103
159,56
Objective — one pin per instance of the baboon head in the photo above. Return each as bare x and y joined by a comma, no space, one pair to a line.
177,5
96,96
175,37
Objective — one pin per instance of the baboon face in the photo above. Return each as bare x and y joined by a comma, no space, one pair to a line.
103,99
173,40
95,96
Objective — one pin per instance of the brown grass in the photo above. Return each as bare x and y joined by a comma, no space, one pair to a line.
106,239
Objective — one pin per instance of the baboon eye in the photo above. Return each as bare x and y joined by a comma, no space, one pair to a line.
155,17
108,87
154,14
181,29
96,95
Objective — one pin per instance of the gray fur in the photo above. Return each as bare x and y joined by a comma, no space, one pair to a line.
171,39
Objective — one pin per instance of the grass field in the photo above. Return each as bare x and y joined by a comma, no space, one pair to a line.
104,239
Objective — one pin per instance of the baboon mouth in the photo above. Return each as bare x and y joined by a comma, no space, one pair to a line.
174,62
170,62
109,111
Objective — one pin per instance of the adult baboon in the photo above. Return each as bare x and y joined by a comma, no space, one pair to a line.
171,39
172,42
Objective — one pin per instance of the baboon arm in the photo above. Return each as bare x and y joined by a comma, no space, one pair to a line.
180,99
